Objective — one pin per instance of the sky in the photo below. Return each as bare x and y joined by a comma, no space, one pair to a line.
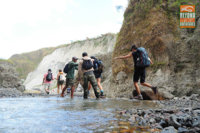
28,25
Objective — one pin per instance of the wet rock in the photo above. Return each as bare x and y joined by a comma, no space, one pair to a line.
163,123
194,130
142,122
182,130
173,121
196,121
152,121
196,112
169,130
194,97
21,88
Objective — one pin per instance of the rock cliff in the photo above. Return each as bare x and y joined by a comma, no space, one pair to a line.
154,24
10,83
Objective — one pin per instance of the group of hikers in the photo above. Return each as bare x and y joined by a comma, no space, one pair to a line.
91,69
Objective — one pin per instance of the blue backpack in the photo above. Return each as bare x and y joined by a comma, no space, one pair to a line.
143,58
98,66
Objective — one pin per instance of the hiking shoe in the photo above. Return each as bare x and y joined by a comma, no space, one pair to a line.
47,92
101,94
155,91
139,97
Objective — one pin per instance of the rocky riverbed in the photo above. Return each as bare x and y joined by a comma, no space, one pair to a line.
180,115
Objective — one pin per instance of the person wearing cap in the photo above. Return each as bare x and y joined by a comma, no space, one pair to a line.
72,66
86,69
139,72
48,77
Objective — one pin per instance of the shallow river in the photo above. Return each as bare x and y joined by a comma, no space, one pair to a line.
63,115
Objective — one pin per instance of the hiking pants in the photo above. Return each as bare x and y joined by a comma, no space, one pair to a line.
89,77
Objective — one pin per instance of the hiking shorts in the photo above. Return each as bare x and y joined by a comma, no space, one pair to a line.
60,82
47,85
69,82
139,73
97,75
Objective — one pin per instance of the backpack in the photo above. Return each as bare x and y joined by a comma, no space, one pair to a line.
49,76
87,64
66,69
61,77
143,58
98,66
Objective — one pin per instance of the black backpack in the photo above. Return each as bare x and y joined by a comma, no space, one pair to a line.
49,76
87,64
66,69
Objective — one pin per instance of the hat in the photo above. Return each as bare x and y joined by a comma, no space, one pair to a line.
74,58
133,47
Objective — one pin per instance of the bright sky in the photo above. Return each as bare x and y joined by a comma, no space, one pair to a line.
27,25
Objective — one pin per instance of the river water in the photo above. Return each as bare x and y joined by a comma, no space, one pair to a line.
63,115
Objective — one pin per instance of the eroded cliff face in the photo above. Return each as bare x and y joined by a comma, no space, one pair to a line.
10,83
154,24
97,46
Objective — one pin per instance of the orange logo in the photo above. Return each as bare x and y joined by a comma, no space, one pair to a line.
187,16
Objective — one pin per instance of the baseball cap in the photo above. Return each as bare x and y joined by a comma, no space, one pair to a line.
133,47
74,58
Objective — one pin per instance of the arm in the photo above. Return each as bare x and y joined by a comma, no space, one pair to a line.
150,61
124,57
58,76
52,77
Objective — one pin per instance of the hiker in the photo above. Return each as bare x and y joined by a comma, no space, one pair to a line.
141,61
60,81
48,77
98,69
70,69
86,67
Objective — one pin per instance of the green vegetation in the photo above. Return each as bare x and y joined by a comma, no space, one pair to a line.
27,62
177,3
7,61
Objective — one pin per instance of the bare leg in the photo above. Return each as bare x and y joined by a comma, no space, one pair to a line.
46,89
58,88
61,87
99,83
147,85
63,91
137,88
72,91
